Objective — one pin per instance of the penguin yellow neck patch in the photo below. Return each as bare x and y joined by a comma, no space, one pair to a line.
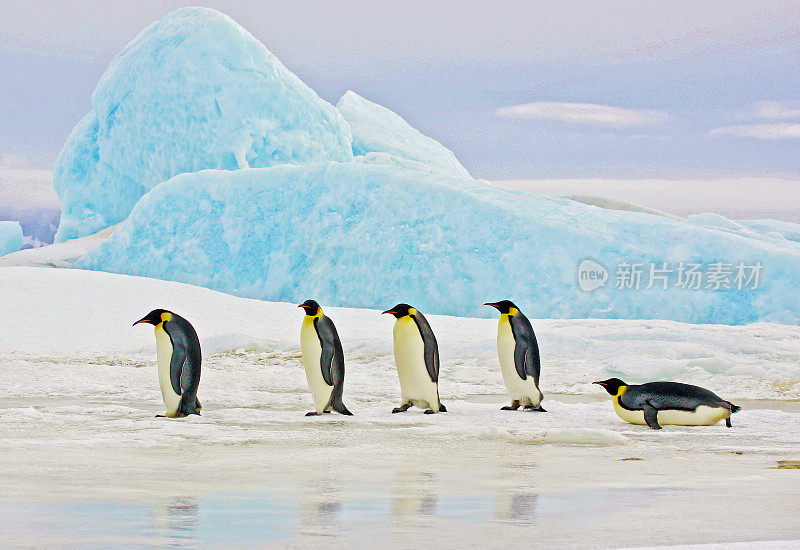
166,316
411,311
512,311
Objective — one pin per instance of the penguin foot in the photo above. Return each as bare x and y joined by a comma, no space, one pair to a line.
429,411
161,416
728,422
326,412
312,413
402,408
442,408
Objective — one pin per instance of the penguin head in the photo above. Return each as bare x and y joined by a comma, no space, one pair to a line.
612,385
503,306
155,317
400,310
311,307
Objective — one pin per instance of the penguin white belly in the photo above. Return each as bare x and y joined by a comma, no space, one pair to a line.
524,391
312,351
702,416
409,356
164,354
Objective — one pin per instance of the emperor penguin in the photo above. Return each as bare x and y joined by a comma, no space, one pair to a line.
416,356
519,357
323,360
657,403
179,358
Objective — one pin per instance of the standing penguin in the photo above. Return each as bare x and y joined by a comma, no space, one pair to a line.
657,403
416,355
179,358
519,357
323,360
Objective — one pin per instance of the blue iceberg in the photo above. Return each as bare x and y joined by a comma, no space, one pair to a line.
376,129
231,174
10,237
367,235
193,91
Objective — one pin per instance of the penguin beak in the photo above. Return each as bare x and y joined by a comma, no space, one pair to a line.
600,384
490,304
389,311
143,320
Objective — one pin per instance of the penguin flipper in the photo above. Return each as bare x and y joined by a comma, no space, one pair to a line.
651,416
331,359
526,349
176,364
431,351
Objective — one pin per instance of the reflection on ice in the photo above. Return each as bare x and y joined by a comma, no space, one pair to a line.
517,506
176,521
417,505
413,493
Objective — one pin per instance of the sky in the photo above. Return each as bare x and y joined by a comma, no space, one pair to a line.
517,90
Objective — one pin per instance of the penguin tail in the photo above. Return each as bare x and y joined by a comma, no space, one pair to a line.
734,408
340,408
185,409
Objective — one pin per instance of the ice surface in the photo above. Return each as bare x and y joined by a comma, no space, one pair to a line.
194,90
76,377
57,255
376,129
781,233
369,235
10,237
788,230
611,204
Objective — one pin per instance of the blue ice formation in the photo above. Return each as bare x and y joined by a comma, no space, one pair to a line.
193,91
369,235
376,129
10,237
231,174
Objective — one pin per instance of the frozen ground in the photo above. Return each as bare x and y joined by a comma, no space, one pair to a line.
83,461
57,255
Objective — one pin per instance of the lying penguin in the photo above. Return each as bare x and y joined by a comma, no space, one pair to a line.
657,403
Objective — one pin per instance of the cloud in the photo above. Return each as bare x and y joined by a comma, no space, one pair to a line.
582,113
771,131
13,160
778,110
